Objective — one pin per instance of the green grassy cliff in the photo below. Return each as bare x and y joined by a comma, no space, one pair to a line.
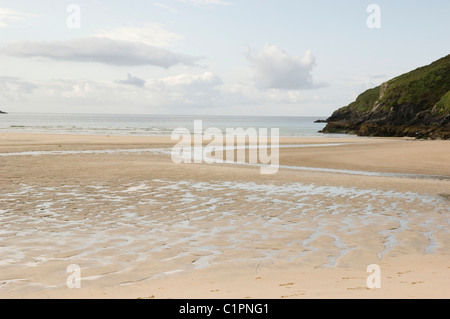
413,104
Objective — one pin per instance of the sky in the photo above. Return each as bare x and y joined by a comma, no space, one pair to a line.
210,57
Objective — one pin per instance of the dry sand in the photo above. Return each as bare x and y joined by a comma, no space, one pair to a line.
140,226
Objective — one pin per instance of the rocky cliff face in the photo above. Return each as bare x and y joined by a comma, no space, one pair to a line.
415,104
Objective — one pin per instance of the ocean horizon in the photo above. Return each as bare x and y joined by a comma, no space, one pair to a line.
152,125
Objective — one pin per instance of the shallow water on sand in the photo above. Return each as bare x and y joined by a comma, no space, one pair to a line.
198,153
171,226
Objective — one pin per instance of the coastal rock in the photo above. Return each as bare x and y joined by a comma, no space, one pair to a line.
415,104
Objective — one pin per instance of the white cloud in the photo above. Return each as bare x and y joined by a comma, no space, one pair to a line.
204,81
246,93
164,6
82,95
9,16
275,69
151,34
100,50
203,93
14,89
199,90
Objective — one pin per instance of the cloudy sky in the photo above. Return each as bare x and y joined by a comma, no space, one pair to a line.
233,57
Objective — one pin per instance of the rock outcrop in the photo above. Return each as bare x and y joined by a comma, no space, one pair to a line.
415,104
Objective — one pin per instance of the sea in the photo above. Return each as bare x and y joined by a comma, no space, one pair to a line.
151,125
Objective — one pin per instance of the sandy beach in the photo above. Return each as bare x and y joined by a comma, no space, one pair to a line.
140,226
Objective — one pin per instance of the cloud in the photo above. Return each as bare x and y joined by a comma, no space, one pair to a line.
185,89
246,93
201,82
14,89
151,34
275,69
100,50
164,6
195,91
25,86
132,80
8,16
204,93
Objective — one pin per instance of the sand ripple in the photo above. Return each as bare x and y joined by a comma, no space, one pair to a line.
138,231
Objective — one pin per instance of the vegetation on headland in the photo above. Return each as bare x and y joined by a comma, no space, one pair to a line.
414,104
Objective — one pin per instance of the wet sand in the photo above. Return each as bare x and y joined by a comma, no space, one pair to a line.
140,226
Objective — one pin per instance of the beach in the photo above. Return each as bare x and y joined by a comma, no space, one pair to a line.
140,226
